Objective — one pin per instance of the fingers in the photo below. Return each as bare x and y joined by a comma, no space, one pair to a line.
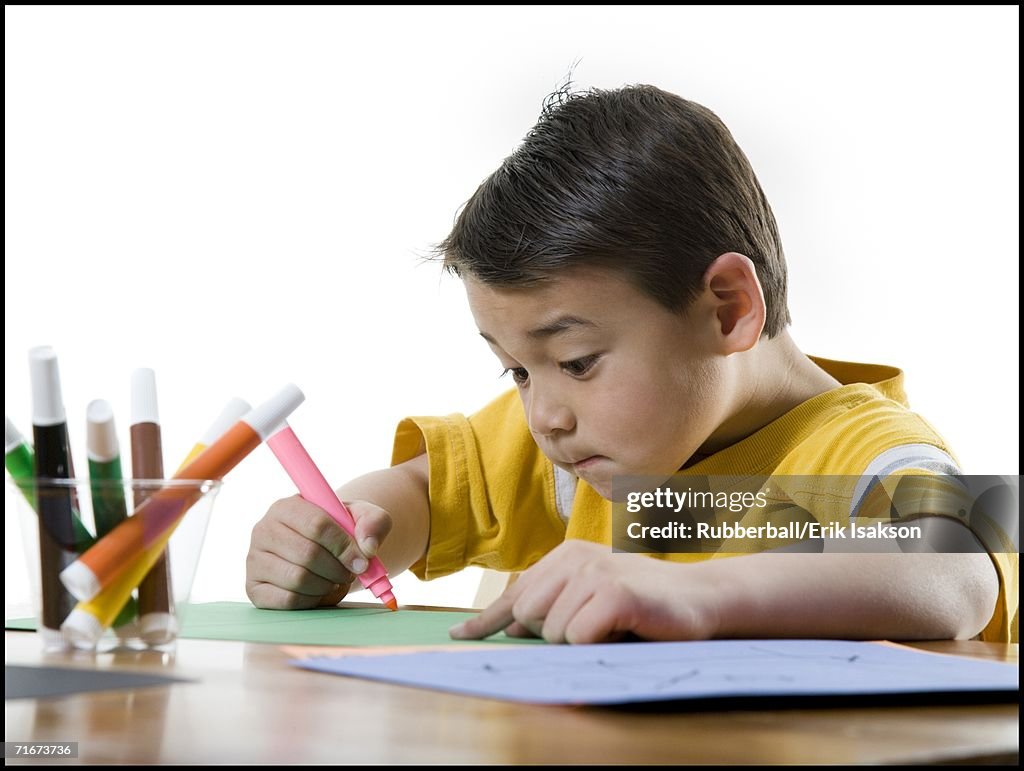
577,598
515,629
494,618
292,577
292,560
300,557
526,603
592,622
313,524
280,540
555,613
536,599
577,616
265,595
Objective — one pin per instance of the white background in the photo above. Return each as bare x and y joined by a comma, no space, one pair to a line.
239,197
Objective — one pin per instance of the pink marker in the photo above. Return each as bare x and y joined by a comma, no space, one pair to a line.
315,489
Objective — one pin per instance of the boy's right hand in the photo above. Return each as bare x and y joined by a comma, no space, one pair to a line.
301,558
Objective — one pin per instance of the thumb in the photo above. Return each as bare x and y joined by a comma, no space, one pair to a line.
372,525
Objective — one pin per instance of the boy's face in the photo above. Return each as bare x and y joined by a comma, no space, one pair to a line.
616,378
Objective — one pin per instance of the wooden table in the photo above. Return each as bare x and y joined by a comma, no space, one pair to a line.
250,706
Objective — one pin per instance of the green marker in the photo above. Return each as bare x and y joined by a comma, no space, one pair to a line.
20,462
108,503
105,482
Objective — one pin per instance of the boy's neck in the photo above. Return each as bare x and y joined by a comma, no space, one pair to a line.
768,381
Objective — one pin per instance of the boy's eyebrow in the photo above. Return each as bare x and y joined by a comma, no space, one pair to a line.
561,324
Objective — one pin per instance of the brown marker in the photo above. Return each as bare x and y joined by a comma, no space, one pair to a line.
156,606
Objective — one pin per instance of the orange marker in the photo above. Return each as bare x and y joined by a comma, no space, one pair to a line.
231,413
115,552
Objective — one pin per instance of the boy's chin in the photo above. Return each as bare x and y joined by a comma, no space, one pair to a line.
602,487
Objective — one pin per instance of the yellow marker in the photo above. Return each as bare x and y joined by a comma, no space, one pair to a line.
88,620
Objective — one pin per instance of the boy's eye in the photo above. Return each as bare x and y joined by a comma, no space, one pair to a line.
579,367
576,368
519,374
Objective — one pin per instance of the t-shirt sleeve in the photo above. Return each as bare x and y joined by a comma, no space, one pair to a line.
916,491
491,489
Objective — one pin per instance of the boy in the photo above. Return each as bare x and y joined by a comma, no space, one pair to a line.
625,267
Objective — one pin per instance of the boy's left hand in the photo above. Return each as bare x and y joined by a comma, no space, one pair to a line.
581,592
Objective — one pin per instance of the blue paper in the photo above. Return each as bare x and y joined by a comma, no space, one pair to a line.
634,672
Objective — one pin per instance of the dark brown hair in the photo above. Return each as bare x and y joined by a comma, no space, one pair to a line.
634,179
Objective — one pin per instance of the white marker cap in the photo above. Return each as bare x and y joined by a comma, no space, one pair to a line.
232,411
80,581
12,437
83,630
47,403
53,639
158,628
269,416
100,436
144,397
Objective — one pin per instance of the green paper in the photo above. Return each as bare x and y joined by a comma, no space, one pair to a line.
321,626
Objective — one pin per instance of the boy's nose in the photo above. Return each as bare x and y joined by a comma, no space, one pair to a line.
547,415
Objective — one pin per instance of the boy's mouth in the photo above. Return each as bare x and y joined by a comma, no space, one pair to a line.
587,462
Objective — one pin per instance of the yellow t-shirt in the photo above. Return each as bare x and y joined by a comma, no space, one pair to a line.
497,502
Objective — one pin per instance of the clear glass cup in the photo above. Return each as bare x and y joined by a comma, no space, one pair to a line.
132,605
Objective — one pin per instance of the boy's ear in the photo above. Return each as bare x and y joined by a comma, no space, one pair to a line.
738,301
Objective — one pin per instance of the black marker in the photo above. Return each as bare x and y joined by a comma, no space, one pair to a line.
53,497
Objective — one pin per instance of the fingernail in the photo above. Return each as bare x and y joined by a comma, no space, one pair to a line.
358,565
369,546
457,630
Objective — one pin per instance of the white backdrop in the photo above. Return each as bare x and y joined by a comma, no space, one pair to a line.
237,197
